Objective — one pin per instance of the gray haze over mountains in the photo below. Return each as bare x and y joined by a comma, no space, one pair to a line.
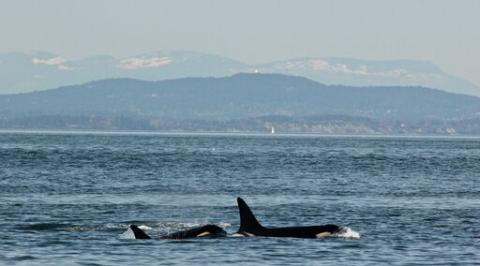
192,91
246,102
24,72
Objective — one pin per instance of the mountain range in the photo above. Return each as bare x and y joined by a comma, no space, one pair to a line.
242,102
25,72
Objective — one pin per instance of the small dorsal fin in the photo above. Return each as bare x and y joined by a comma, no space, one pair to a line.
139,233
248,222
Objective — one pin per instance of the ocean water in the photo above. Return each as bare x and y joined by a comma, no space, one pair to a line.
68,198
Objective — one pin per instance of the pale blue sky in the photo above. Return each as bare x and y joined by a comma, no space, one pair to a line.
444,32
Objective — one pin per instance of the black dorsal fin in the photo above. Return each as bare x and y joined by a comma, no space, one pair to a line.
139,234
248,222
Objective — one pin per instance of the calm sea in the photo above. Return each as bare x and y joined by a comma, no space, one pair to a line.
68,198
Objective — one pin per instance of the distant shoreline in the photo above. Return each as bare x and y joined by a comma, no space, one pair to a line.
221,133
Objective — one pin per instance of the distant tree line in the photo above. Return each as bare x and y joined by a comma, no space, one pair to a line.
322,124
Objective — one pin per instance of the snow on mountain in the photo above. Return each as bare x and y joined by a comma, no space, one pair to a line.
134,63
355,72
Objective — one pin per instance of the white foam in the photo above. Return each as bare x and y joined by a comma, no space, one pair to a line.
180,225
128,234
223,225
144,227
114,226
347,232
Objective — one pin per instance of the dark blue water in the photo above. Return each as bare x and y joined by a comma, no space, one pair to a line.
67,199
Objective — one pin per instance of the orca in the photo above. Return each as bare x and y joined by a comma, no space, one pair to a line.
209,230
249,226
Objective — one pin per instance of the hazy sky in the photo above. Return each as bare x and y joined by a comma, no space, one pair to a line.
444,32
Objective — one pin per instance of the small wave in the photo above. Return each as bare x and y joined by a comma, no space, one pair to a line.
44,226
223,225
75,227
169,227
347,232
23,258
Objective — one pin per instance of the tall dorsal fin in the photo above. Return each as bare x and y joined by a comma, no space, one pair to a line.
139,234
248,222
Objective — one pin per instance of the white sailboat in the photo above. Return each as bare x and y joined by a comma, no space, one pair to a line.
273,130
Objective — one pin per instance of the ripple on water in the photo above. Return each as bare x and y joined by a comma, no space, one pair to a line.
66,198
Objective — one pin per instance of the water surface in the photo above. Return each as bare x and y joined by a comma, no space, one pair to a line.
67,199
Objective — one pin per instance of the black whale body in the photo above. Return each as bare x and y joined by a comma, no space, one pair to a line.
249,226
209,230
